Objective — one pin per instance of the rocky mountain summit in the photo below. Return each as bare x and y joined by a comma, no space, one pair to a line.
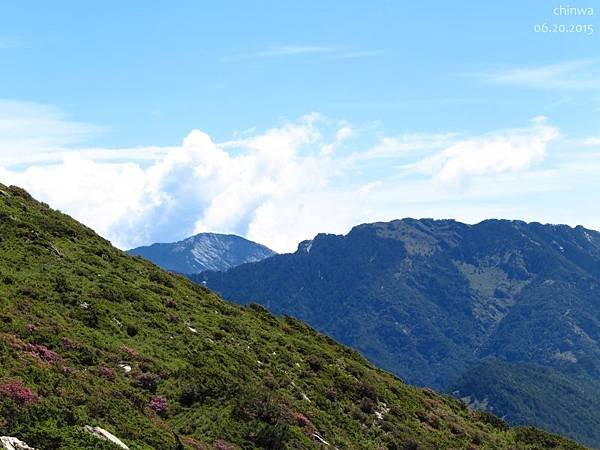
204,251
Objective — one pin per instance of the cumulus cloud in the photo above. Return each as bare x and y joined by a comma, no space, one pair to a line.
285,184
507,151
198,186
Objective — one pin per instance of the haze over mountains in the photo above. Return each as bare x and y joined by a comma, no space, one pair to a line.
204,251
440,303
102,350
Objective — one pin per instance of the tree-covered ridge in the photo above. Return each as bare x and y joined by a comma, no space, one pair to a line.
531,394
430,299
92,336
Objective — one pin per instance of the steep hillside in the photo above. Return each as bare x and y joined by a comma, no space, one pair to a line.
204,251
90,336
515,392
430,299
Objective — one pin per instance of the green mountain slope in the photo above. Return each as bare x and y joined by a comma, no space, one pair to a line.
428,299
431,299
528,394
92,336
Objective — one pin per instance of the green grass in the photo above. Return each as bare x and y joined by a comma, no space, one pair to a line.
73,309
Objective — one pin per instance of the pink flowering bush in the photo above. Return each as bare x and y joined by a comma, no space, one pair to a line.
158,404
69,344
222,445
305,423
131,352
170,303
42,352
18,393
107,372
148,381
331,393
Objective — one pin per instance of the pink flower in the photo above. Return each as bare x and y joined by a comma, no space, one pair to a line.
222,445
42,352
107,372
18,393
131,352
70,344
31,328
159,404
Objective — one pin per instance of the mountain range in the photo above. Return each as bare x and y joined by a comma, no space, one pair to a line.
204,251
102,350
492,312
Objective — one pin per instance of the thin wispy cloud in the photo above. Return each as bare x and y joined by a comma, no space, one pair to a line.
402,146
565,76
285,51
30,130
590,142
281,52
8,42
357,54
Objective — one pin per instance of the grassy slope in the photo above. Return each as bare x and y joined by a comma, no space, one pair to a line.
72,308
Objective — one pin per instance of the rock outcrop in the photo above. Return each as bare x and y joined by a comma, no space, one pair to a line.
12,443
101,433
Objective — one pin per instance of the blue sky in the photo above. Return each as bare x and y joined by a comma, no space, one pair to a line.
311,116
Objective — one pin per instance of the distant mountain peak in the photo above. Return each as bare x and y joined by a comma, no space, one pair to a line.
204,251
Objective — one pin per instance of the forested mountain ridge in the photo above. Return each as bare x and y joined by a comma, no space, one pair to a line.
431,299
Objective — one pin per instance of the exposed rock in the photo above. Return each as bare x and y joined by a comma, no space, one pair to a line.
125,367
319,438
12,443
566,356
381,411
205,251
101,433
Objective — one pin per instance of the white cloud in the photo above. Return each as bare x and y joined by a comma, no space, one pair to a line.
283,222
404,145
270,167
30,130
570,75
590,142
355,54
9,42
290,182
281,51
495,153
344,133
197,186
284,51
